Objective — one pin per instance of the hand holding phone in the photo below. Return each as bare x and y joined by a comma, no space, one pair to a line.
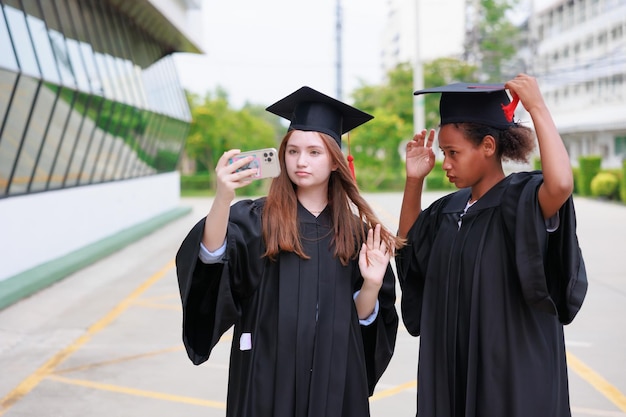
265,160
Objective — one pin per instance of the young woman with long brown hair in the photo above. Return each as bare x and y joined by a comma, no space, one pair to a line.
303,274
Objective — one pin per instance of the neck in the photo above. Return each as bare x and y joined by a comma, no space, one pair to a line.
313,200
480,189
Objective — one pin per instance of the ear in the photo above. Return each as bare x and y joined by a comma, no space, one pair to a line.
488,145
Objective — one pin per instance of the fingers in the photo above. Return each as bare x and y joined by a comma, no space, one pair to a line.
431,138
374,240
230,174
226,156
422,138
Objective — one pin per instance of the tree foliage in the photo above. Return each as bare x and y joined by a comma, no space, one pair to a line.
216,127
497,38
439,72
377,146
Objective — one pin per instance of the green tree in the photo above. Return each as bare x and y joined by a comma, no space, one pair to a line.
216,127
375,145
439,72
495,37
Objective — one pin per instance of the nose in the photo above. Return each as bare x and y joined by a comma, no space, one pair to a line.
446,165
302,161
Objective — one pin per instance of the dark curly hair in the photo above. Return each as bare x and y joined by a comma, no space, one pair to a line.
515,143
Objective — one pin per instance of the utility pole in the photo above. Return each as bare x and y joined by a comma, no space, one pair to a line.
339,59
418,75
472,19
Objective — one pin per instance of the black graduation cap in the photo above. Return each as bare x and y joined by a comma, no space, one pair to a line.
310,110
487,104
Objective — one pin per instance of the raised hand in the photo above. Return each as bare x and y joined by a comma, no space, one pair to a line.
420,158
228,179
527,89
374,258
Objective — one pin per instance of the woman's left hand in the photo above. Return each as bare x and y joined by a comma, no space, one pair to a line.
374,258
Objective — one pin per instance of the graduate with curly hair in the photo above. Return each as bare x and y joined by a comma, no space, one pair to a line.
492,272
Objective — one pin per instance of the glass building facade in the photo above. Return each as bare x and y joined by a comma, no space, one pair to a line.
86,96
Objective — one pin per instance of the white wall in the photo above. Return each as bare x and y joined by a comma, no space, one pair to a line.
40,227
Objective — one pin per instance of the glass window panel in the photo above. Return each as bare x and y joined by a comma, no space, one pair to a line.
149,145
7,83
19,33
104,140
125,135
63,58
43,49
90,68
169,145
44,100
133,141
103,70
88,166
72,123
80,73
114,141
52,137
84,33
11,139
140,166
7,57
88,106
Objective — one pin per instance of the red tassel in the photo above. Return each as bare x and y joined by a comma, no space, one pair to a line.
351,159
351,165
509,109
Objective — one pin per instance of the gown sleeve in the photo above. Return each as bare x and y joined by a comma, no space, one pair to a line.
550,265
412,264
379,338
210,293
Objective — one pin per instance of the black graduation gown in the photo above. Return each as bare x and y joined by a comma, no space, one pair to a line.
309,354
489,301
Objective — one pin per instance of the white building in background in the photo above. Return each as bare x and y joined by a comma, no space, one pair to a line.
577,50
579,56
93,120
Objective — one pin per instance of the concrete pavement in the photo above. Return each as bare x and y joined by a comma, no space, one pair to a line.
106,341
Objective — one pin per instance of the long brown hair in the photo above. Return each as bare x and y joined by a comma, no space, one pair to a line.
280,226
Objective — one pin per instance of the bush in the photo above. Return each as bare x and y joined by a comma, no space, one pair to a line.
537,164
604,184
204,182
196,182
589,166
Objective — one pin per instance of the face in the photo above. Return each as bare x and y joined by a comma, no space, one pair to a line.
308,162
463,161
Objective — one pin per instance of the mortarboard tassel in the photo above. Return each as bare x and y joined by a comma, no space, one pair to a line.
351,159
509,109
351,165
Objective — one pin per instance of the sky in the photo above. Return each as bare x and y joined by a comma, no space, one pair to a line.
260,51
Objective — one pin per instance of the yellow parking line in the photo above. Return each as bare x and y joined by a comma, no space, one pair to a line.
584,371
46,369
138,392
119,360
597,381
393,391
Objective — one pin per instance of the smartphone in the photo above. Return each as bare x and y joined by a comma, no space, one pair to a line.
265,160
